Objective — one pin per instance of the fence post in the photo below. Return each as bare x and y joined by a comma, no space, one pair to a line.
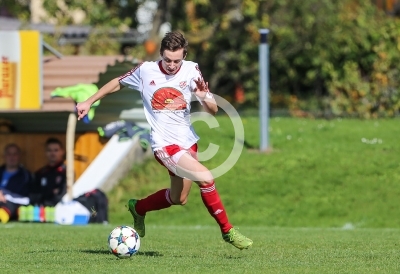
264,89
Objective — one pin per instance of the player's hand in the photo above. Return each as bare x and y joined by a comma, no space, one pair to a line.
83,109
201,88
2,198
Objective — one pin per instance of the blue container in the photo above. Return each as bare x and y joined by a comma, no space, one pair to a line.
36,214
80,220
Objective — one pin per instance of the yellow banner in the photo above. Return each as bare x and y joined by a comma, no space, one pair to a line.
20,70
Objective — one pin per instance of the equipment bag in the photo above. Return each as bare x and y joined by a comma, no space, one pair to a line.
97,203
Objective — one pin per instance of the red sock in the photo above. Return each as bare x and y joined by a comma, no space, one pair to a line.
156,201
211,200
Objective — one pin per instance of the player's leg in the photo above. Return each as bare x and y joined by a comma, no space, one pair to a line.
158,200
164,198
139,207
180,189
189,167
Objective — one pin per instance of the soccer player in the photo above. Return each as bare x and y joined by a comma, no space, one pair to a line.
166,87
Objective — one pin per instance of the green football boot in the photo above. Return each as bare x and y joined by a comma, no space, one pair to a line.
235,238
138,220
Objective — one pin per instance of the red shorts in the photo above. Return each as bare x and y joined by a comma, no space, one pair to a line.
169,156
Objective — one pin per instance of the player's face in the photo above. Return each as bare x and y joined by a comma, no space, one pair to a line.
172,60
11,157
54,154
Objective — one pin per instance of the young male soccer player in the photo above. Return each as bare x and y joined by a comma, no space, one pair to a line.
166,87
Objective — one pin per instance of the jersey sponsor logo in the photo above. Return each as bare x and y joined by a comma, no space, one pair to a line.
168,99
183,84
152,83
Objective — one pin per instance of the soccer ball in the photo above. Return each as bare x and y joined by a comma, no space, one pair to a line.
123,241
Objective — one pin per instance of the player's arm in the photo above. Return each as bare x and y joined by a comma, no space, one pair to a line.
2,197
209,103
112,86
206,98
130,79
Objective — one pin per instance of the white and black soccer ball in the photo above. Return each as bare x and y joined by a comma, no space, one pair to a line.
123,241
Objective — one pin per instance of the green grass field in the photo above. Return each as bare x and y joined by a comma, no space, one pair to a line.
47,248
320,174
326,200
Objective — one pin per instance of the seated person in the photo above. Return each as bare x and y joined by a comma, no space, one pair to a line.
50,183
14,185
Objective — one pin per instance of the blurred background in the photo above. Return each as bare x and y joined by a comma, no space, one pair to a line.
328,58
324,196
328,61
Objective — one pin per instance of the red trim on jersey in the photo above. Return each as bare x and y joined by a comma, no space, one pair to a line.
164,156
129,72
164,71
198,69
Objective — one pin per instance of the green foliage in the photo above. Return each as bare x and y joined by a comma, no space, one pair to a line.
222,37
344,53
100,43
96,13
108,19
366,84
19,9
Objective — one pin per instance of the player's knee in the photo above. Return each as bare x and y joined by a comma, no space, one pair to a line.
179,200
205,183
183,201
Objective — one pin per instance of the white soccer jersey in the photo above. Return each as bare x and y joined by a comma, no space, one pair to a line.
166,101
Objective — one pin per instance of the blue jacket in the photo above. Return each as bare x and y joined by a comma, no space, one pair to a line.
20,183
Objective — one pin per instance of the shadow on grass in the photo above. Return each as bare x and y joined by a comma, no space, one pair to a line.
229,257
246,144
97,251
150,254
140,253
233,257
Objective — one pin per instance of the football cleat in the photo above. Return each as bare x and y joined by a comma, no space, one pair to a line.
138,220
238,240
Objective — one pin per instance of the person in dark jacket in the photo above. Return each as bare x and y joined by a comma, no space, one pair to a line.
50,183
14,185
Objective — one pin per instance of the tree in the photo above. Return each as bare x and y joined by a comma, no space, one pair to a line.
343,53
19,9
222,35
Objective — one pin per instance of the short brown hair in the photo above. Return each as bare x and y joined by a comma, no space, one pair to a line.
53,140
174,41
11,145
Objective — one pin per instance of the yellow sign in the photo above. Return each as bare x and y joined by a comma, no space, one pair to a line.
20,70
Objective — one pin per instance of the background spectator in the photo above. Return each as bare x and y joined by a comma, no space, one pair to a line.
50,181
14,185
